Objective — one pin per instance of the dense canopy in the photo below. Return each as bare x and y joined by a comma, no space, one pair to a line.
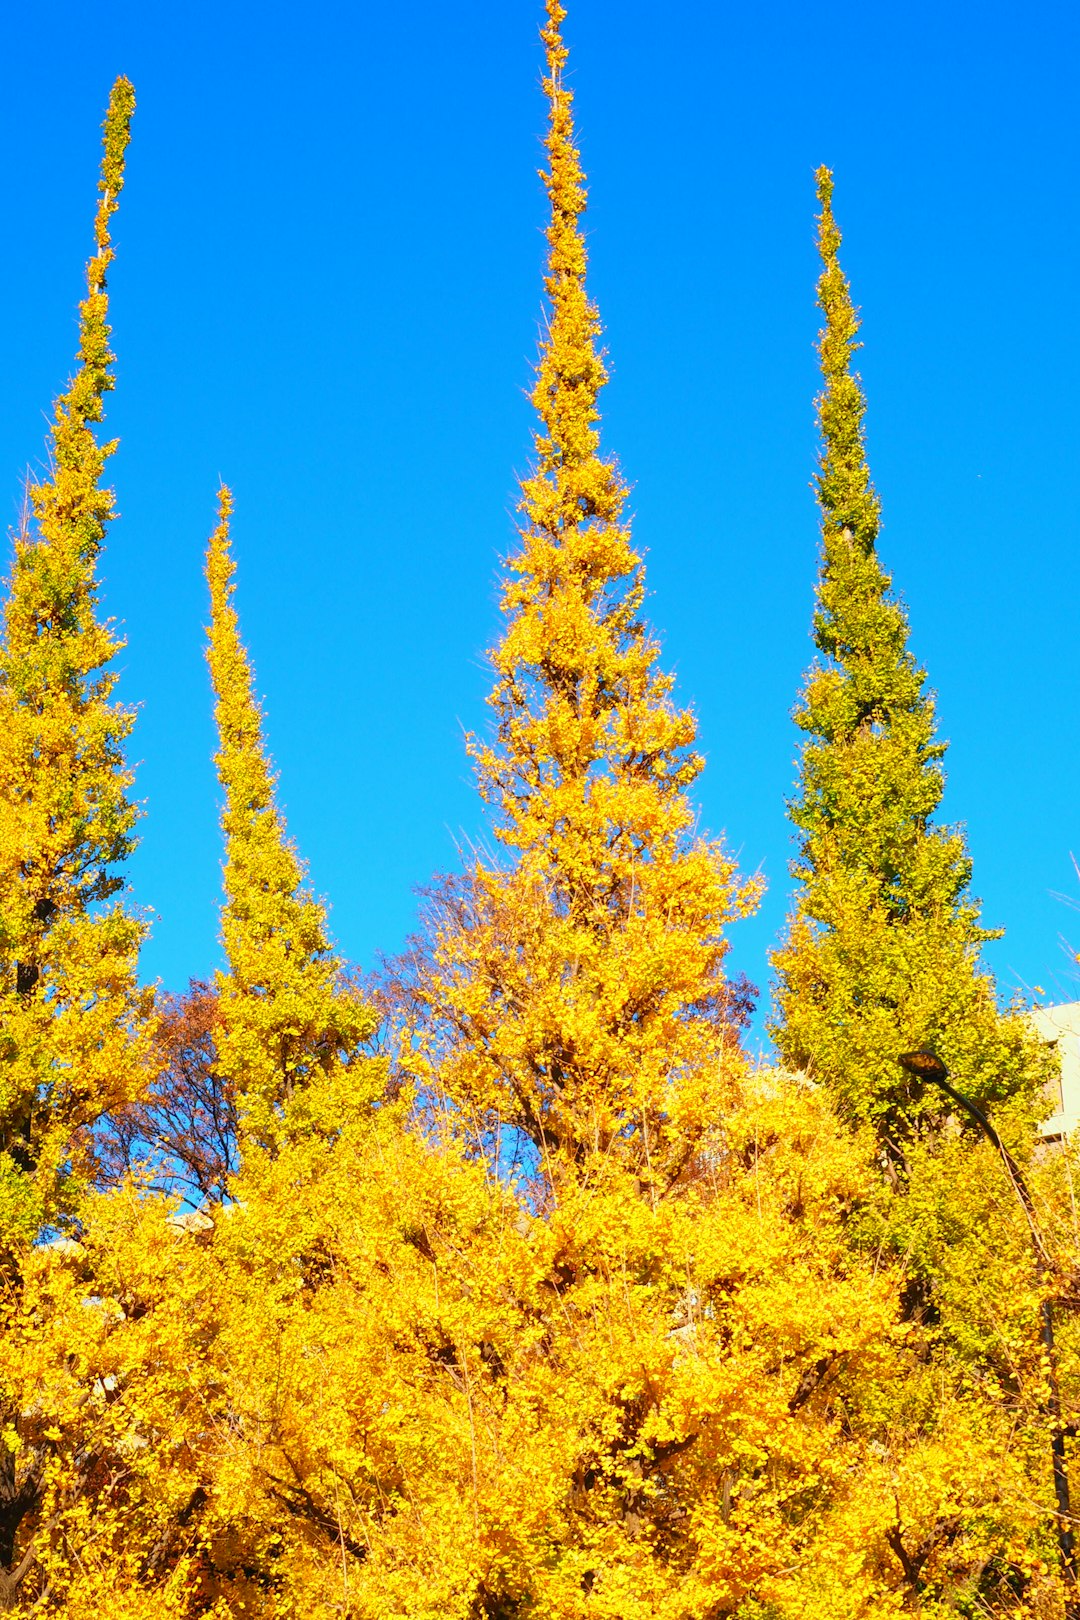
506,1283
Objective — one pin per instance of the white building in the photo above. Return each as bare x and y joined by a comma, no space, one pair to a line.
1060,1027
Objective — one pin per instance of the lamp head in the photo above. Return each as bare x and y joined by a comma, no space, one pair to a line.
925,1065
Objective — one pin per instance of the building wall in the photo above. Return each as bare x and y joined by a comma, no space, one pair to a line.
1060,1027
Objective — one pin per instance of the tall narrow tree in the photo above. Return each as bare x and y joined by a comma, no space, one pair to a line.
577,993
285,1014
882,952
74,1023
73,1019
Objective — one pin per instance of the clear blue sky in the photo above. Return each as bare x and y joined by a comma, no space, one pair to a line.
328,291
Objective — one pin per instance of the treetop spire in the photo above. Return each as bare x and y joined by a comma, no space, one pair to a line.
83,402
286,1016
117,131
571,482
882,949
575,990
847,496
74,1018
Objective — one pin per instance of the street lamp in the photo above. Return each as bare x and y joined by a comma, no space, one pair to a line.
929,1067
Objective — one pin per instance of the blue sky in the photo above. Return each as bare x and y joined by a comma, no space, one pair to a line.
328,294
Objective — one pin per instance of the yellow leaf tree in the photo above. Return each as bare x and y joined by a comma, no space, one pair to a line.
651,1428
285,1014
73,1019
575,993
74,1023
150,1469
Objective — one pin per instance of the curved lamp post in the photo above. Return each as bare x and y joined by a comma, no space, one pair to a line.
928,1066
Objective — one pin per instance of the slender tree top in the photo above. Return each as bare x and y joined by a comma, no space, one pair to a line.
75,1020
76,821
871,692
250,819
572,482
577,682
881,955
577,991
71,510
846,494
55,647
263,874
284,1012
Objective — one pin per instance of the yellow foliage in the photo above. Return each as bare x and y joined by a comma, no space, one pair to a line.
376,1386
588,1320
285,1012
394,1392
576,993
73,1018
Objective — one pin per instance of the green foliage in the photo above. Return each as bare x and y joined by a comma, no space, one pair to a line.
882,952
